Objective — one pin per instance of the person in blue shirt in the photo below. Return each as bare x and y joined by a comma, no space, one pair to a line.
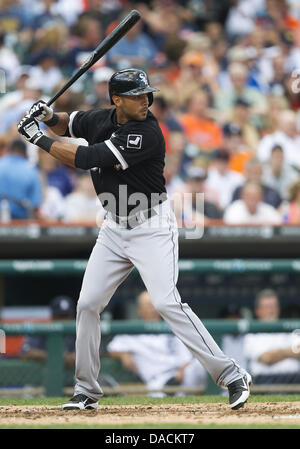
136,49
20,183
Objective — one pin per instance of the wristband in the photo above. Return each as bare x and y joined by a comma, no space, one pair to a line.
45,143
53,121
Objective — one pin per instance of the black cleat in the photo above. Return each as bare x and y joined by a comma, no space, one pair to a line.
239,392
80,402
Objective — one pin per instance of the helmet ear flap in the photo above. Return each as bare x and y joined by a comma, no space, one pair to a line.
150,98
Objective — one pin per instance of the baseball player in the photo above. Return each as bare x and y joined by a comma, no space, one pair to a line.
125,155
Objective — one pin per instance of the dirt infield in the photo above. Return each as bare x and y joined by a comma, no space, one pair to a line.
220,414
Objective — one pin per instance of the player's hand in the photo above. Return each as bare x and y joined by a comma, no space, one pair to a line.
40,111
29,129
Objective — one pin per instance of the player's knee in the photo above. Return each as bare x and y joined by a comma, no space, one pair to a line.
87,306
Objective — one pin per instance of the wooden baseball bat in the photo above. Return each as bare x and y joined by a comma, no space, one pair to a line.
130,20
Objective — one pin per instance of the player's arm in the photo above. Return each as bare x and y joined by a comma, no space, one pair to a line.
277,355
79,156
125,149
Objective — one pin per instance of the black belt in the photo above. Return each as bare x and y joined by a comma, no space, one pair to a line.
133,220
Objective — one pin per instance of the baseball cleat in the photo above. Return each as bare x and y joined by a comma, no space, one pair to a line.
80,402
239,392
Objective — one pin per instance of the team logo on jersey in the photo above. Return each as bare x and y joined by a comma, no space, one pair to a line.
134,141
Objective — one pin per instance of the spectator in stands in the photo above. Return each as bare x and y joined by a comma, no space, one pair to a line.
286,135
158,359
89,32
52,205
241,117
11,99
70,100
277,83
8,60
53,38
31,92
171,172
19,182
272,357
241,19
46,16
100,97
46,70
190,76
290,210
198,127
251,209
99,10
34,347
190,204
239,153
254,173
278,174
270,122
13,16
55,174
221,179
226,98
136,49
167,122
82,204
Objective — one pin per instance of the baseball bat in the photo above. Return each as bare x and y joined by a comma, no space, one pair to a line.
130,20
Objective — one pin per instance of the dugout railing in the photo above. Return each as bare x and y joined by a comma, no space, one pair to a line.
75,267
50,376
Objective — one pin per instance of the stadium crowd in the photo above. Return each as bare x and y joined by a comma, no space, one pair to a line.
228,106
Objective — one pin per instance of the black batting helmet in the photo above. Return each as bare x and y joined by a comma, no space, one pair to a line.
130,82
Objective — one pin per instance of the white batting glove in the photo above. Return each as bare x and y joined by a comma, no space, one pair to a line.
29,129
41,112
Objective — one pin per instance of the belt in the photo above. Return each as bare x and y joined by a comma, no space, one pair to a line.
133,220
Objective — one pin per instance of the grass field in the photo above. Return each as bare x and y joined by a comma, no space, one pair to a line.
189,412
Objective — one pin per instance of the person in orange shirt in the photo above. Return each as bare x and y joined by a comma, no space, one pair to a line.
198,127
240,154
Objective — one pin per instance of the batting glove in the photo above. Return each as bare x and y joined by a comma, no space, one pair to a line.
41,112
29,128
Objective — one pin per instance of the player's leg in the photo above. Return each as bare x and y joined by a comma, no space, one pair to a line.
107,268
154,251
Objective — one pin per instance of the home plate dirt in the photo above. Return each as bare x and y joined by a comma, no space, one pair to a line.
252,413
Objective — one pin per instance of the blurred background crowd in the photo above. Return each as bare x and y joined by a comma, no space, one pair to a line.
228,102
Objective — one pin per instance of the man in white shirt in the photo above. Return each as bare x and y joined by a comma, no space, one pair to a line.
287,136
272,357
250,209
158,359
221,179
278,174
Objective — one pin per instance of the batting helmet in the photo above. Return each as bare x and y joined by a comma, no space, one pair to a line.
130,82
